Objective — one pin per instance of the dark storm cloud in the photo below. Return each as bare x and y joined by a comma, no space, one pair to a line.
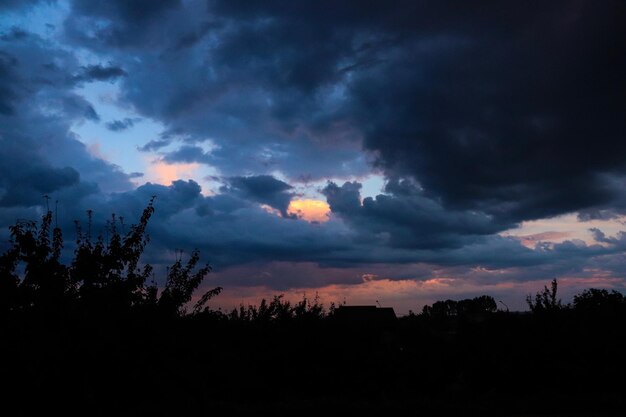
25,186
480,116
22,4
15,33
407,218
101,73
232,231
229,228
7,93
263,189
121,23
517,113
191,38
512,110
119,125
38,153
186,154
243,100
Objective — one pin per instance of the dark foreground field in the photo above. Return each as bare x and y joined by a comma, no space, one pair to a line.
565,362
91,336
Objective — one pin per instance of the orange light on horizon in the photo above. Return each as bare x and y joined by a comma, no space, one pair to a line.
310,210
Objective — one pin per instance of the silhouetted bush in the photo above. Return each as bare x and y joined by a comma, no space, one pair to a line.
103,277
450,308
545,300
279,310
596,301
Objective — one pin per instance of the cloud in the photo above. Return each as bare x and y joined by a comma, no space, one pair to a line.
479,117
26,187
407,218
185,154
485,107
520,121
7,95
229,228
154,145
79,107
263,189
257,121
15,33
100,73
21,4
39,154
120,125
121,23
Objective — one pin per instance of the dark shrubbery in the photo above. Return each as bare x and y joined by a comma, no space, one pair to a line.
97,335
545,301
104,276
450,308
599,301
281,311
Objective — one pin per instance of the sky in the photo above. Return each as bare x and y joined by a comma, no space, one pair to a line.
369,152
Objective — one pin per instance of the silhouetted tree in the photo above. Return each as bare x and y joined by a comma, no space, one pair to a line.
103,276
595,300
545,300
447,308
477,305
451,308
180,284
44,281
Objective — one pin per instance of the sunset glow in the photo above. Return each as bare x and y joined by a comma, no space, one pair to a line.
310,210
164,173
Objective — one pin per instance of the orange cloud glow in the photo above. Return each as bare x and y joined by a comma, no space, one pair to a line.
561,228
310,210
162,173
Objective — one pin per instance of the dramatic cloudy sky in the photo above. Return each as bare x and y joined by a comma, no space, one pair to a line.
399,151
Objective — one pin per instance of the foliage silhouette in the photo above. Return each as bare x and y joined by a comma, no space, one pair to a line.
545,300
280,311
599,301
450,308
104,276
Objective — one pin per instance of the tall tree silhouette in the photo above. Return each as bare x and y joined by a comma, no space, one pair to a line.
545,300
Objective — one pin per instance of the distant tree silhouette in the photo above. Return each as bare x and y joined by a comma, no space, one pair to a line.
481,304
445,308
451,308
595,300
545,300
